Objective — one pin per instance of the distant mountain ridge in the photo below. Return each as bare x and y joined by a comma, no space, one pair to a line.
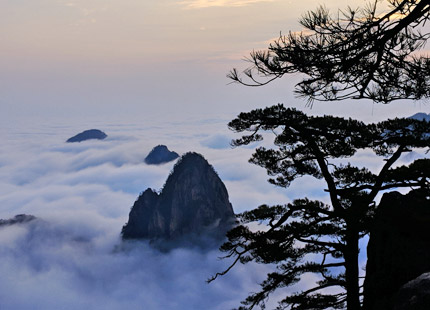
17,219
193,201
421,117
88,135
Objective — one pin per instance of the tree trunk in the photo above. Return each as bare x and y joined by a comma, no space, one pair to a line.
351,269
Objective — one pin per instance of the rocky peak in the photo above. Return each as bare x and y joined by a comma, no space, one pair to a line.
88,135
193,201
160,155
414,295
398,249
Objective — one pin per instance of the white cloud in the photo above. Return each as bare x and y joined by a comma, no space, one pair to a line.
48,266
217,141
200,4
86,11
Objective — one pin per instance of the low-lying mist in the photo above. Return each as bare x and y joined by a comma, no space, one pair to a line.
72,256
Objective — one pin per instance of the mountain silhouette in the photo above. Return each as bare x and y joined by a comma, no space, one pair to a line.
193,202
88,135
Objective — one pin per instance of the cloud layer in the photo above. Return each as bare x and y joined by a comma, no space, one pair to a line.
53,266
72,256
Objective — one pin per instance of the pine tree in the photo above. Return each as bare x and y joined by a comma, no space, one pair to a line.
357,54
296,233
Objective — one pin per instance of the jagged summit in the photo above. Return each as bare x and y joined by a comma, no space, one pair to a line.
17,219
160,155
88,135
193,201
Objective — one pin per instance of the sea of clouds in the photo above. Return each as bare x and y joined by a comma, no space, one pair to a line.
72,256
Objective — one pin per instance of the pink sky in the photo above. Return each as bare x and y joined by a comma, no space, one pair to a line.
62,56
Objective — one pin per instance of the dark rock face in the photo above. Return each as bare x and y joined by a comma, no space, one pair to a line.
88,135
160,155
398,249
414,295
17,219
193,202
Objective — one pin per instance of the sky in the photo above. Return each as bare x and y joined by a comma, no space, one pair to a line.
165,59
147,73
